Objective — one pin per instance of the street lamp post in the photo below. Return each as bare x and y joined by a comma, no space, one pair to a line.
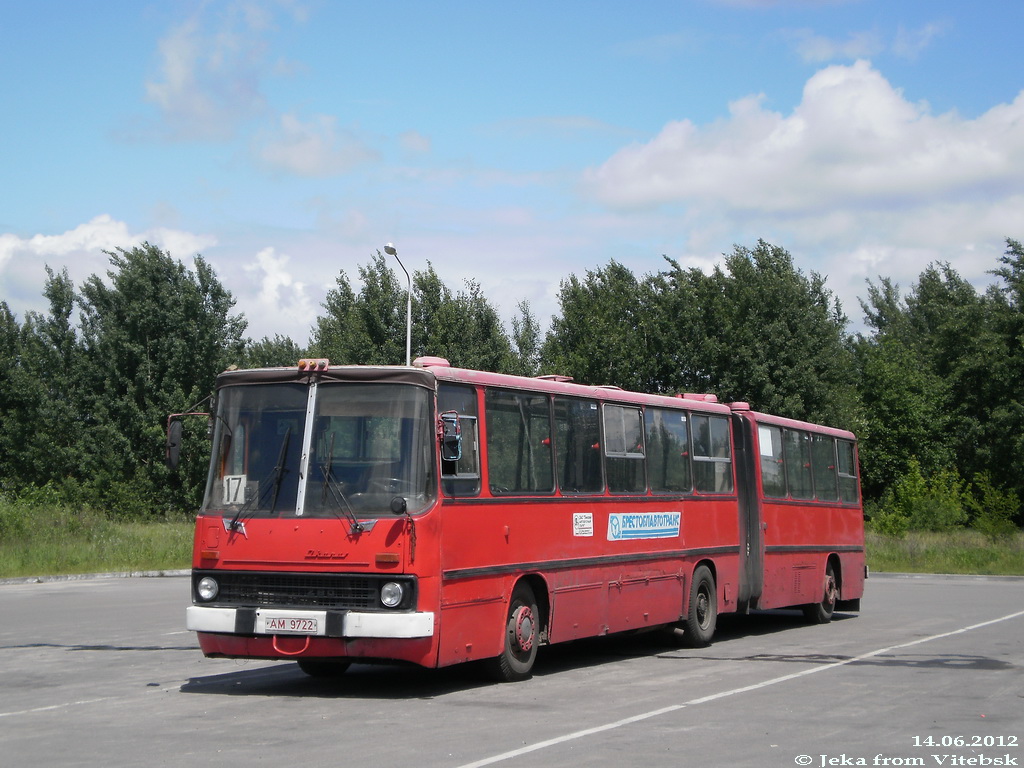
390,250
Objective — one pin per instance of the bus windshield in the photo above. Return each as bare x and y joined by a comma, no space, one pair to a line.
370,443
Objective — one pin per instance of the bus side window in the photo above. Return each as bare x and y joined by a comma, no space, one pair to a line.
624,449
578,445
826,481
668,451
462,477
773,474
519,456
797,451
712,460
847,472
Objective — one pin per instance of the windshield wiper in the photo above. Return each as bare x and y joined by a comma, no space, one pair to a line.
236,523
279,470
330,484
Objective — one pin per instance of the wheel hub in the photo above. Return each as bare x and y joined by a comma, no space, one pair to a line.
523,622
831,591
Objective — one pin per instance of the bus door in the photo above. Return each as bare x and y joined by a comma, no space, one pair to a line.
750,513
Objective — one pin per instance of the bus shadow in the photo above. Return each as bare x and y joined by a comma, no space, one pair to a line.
360,681
395,681
596,651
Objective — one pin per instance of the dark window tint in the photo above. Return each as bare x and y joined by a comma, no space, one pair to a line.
798,464
462,477
578,446
518,442
773,475
712,461
826,481
847,472
668,450
624,449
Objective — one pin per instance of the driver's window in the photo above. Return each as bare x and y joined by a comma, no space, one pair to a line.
461,477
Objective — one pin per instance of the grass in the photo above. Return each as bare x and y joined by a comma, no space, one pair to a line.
960,551
43,541
39,540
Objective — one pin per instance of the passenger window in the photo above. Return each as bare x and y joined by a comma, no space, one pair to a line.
826,485
847,472
712,461
773,475
518,442
578,446
624,449
797,451
668,450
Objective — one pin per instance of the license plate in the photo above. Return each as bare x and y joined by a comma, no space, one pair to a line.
286,625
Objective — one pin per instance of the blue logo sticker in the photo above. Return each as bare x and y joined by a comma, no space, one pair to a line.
643,525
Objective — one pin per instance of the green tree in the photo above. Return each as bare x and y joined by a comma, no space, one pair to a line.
604,332
776,338
526,341
334,332
279,351
154,337
51,360
756,329
369,327
941,376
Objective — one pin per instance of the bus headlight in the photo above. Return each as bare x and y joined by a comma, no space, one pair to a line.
207,588
391,594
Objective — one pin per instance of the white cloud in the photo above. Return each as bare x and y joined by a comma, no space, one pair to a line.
82,251
909,43
854,140
905,44
415,143
817,49
212,67
315,148
857,181
281,301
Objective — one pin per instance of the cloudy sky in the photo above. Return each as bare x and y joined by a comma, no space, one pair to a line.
509,143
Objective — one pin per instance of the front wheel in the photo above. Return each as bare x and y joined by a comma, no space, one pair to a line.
521,636
702,615
821,613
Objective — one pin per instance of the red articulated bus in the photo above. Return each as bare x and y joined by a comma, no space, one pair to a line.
437,515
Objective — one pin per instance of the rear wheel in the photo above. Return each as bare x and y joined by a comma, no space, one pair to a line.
702,615
821,613
323,669
521,636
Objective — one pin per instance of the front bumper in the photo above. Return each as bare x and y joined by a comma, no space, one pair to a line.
328,623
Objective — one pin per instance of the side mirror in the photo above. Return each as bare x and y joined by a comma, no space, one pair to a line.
173,453
451,436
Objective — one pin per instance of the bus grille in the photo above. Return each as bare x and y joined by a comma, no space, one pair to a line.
297,591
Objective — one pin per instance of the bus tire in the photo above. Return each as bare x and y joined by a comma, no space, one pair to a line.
521,637
821,613
323,669
702,614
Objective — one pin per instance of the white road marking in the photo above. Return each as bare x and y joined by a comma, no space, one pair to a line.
575,735
54,706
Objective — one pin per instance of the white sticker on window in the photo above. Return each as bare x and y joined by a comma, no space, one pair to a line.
764,437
